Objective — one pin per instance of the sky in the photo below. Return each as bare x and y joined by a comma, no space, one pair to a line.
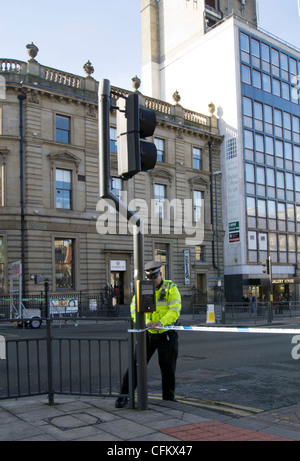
106,32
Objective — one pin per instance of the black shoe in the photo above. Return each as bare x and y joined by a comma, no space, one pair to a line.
171,399
121,402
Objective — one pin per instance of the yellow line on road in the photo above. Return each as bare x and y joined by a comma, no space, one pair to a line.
225,407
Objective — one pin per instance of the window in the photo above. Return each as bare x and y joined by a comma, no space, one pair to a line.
268,112
266,79
281,211
271,209
160,197
269,143
258,116
287,124
282,248
197,158
245,48
255,51
259,148
160,146
200,253
1,265
248,114
250,178
64,263
161,252
280,185
284,66
63,129
256,79
265,56
63,189
275,62
249,145
251,206
279,153
113,140
271,182
285,91
246,75
261,209
296,129
231,147
198,206
278,122
293,69
276,87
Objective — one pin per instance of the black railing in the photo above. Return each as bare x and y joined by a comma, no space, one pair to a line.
49,365
246,311
68,304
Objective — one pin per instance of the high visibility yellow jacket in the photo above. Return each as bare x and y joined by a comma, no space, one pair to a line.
168,306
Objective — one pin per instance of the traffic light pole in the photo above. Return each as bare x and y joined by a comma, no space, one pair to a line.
271,291
105,193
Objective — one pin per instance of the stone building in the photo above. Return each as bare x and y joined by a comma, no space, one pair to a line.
50,216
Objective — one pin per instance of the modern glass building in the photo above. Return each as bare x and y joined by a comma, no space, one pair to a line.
271,129
213,51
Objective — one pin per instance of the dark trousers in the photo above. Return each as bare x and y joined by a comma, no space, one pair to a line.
166,345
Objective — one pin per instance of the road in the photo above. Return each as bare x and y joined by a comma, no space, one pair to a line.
256,371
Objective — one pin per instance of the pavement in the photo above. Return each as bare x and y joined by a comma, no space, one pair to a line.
90,418
96,419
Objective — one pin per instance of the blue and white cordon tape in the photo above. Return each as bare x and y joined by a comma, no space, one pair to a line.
277,331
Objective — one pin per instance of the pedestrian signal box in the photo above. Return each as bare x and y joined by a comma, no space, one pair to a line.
146,296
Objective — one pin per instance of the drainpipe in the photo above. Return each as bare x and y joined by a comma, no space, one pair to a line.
21,99
220,11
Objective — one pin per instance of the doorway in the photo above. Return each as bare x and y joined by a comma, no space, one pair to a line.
117,286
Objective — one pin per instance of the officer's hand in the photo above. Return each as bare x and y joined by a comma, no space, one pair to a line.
155,325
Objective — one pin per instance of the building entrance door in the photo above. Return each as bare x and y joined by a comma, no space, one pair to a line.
117,285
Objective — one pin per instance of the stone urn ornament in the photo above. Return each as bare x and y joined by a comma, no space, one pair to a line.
211,108
32,51
136,83
176,97
88,68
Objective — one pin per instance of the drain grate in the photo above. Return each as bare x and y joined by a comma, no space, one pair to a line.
74,421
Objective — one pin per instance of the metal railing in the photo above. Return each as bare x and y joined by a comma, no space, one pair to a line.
49,365
250,312
69,304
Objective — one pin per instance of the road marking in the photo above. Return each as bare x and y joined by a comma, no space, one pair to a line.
225,407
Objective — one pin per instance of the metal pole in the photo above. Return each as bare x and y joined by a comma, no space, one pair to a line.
22,98
50,364
141,343
105,193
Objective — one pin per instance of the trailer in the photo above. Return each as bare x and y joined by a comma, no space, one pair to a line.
24,317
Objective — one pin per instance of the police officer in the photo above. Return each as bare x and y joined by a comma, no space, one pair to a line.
168,307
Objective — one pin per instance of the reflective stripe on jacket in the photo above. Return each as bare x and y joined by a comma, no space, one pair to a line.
168,306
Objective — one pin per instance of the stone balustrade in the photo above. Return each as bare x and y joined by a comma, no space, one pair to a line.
34,73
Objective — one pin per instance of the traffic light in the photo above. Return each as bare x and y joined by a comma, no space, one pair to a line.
133,125
267,266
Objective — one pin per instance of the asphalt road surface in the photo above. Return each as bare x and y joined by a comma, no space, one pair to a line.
234,372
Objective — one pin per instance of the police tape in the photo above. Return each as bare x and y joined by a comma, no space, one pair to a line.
209,329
